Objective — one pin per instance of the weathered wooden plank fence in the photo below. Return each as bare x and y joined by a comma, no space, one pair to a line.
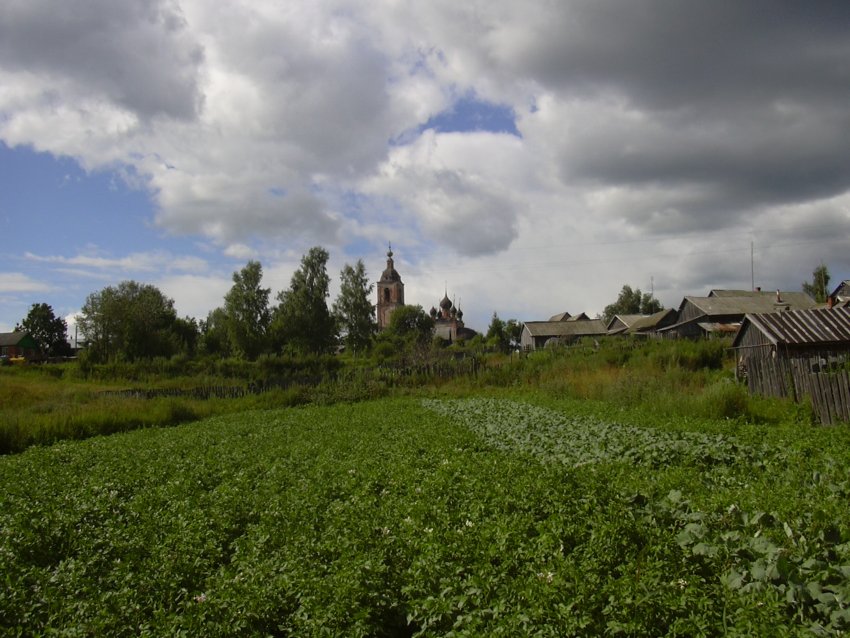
389,375
823,378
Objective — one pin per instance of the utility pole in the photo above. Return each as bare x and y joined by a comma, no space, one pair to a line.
752,268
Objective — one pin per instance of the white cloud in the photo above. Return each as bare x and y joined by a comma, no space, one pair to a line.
137,262
15,282
195,295
240,251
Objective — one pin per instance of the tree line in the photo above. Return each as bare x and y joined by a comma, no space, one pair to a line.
131,321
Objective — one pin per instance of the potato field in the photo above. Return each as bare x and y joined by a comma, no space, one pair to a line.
430,517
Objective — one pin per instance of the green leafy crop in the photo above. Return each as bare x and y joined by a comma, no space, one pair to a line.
438,518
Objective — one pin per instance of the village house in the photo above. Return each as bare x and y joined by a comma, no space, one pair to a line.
722,311
649,325
18,344
539,334
841,295
565,316
619,324
798,353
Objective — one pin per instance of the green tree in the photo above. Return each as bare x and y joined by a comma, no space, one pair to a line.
408,336
130,320
513,329
246,308
649,305
214,338
818,288
632,302
187,333
412,324
302,321
49,331
497,336
353,309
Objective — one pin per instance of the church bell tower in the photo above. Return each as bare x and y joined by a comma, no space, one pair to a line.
390,292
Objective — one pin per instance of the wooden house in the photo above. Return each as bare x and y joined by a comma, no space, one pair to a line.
621,323
538,334
841,294
565,316
722,311
649,325
799,353
18,344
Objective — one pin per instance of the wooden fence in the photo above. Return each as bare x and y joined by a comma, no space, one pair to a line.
409,375
823,378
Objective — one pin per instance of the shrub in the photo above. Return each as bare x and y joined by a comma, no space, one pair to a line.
724,399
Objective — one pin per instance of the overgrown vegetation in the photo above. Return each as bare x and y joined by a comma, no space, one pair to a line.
681,379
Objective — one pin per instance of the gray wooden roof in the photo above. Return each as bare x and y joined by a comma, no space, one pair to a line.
627,320
721,305
801,327
651,321
565,328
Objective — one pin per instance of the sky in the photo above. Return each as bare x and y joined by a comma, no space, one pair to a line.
525,158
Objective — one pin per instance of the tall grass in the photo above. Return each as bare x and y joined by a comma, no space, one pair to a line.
667,379
40,405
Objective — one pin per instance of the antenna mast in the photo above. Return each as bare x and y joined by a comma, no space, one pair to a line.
752,269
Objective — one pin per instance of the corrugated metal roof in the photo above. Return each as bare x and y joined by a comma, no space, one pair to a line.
802,327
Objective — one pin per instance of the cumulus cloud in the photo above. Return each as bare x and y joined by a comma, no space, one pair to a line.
195,295
135,54
682,128
457,188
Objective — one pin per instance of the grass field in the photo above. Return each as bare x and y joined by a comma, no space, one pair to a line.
515,515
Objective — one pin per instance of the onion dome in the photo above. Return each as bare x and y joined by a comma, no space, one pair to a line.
459,313
433,312
446,303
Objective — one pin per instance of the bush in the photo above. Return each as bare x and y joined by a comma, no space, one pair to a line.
724,399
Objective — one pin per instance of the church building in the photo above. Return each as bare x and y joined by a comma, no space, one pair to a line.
390,292
448,322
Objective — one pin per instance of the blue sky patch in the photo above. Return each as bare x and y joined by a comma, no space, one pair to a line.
472,114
